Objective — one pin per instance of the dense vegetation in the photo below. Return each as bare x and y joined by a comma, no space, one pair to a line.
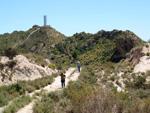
22,87
92,48
94,51
40,42
87,96
85,47
10,40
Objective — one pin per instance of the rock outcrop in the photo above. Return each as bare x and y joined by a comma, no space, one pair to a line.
124,45
20,68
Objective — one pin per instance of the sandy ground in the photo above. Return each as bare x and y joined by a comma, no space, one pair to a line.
144,63
56,85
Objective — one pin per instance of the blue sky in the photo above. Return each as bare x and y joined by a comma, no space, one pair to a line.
74,16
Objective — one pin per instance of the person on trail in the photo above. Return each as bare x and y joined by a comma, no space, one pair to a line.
78,66
63,76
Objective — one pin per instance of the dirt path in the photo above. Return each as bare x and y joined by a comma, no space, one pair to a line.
56,85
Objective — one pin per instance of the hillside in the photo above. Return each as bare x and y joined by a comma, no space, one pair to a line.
9,40
42,41
115,75
101,47
38,40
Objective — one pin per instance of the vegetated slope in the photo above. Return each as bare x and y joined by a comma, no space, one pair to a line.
9,40
100,47
40,42
88,48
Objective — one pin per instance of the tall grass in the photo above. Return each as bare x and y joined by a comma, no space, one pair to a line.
20,88
85,96
18,104
88,75
53,102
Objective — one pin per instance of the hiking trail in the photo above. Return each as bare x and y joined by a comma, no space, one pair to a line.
20,41
71,74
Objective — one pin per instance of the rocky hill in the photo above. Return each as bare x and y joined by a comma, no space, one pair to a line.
101,47
89,48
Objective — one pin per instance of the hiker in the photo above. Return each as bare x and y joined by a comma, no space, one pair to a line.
78,66
63,76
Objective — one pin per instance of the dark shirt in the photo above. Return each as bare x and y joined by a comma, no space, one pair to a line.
63,76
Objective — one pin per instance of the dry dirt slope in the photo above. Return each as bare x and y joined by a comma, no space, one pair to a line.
22,69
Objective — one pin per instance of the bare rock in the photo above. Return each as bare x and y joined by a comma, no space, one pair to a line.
22,69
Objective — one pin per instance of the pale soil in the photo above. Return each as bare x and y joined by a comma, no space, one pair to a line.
142,66
144,63
23,70
56,85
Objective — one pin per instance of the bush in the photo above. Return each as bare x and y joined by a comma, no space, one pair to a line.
147,45
97,100
72,85
18,104
10,53
53,66
1,66
15,90
10,92
148,53
54,102
112,78
11,64
40,60
88,75
139,81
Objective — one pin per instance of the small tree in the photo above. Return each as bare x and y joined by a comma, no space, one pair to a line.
10,53
140,81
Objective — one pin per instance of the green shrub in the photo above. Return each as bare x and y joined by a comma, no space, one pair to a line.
112,78
146,105
53,66
10,53
147,45
3,99
88,75
62,103
97,100
21,87
148,53
54,102
18,104
10,92
40,60
139,81
72,85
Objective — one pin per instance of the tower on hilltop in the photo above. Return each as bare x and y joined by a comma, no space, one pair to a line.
44,20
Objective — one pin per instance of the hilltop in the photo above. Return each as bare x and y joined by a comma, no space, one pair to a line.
39,40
